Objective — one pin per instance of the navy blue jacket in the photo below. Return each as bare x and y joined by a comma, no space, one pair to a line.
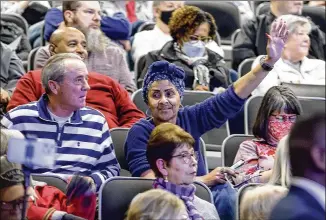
116,27
298,205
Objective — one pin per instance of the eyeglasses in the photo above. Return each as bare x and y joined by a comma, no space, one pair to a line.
195,38
187,156
283,118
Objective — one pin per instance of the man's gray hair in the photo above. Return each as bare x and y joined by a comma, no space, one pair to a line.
55,69
295,21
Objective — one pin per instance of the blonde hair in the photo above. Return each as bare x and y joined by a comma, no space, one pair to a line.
258,203
281,174
155,204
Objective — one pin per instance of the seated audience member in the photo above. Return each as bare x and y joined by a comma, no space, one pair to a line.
191,28
171,156
11,70
105,94
277,113
317,3
44,202
81,133
147,41
306,197
105,57
251,41
257,203
116,27
281,173
294,65
156,204
245,10
163,91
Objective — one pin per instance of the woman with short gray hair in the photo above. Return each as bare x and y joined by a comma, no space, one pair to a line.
294,66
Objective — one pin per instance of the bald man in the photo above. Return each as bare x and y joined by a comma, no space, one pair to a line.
105,95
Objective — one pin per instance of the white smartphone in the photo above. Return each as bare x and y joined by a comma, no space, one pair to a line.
32,152
237,164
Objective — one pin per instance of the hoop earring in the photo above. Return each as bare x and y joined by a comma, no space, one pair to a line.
181,106
148,113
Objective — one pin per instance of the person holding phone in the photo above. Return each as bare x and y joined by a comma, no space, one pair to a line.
277,113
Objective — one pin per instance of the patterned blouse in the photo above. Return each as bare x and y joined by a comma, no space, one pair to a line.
258,156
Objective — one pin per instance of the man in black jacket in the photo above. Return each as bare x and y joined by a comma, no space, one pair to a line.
252,40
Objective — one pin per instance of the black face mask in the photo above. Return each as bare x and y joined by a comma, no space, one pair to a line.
165,16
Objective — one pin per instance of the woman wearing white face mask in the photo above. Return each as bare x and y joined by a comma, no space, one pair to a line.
192,29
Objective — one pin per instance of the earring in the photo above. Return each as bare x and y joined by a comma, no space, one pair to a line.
148,113
165,179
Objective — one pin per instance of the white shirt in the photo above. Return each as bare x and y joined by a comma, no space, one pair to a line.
312,71
61,120
314,189
147,41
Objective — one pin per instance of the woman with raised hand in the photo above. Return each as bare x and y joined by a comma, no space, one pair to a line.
163,91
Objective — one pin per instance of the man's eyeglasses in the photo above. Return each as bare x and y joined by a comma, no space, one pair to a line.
187,156
195,38
284,117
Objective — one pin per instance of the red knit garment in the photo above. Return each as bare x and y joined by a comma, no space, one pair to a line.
131,11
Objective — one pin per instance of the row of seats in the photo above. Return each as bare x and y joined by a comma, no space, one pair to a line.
112,204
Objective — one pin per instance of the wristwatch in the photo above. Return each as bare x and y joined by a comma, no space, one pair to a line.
265,65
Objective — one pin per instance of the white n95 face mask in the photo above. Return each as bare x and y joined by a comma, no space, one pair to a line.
194,49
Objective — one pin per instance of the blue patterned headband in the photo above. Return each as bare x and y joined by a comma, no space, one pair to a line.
163,70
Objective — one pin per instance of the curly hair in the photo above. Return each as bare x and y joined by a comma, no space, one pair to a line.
186,20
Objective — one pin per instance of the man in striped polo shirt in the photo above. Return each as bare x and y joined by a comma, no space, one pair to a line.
81,133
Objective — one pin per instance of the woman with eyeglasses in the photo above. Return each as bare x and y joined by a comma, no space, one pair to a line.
277,113
162,92
171,155
193,32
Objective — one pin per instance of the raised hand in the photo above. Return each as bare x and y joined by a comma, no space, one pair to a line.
276,40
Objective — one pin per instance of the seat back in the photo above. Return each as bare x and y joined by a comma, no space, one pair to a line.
116,194
230,147
241,192
226,15
310,105
317,15
245,66
139,66
51,180
263,8
119,136
31,59
306,90
19,20
146,26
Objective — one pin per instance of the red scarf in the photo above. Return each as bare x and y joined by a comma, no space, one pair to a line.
131,11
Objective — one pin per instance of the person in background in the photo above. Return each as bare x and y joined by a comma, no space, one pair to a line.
170,153
278,111
281,174
116,26
150,40
251,41
163,92
11,71
105,94
156,204
257,203
317,3
294,65
104,56
191,28
44,202
307,152
80,133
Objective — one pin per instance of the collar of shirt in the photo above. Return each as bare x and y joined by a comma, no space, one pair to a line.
313,188
158,31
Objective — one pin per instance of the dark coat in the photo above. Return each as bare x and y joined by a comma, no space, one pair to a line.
217,69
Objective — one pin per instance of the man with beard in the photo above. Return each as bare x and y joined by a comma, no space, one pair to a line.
252,40
147,41
104,56
105,95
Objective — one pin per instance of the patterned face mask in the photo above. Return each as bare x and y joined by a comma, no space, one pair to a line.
280,125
